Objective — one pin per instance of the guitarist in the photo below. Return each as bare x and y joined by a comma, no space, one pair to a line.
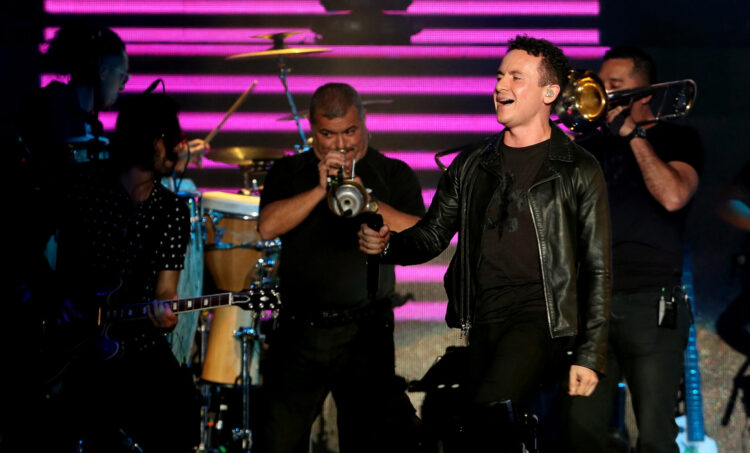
651,171
124,226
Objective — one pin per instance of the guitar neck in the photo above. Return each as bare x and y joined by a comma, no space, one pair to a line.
696,430
140,311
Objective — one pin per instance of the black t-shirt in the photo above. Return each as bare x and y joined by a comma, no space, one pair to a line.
321,266
509,274
51,119
647,240
106,238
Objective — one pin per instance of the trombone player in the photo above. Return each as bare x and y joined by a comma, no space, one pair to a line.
651,169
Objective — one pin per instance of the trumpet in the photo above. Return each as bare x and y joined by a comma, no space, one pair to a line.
583,104
347,197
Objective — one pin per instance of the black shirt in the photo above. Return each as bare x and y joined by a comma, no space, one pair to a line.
321,266
509,274
647,240
107,238
51,121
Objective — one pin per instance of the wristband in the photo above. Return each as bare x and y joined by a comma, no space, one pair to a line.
637,132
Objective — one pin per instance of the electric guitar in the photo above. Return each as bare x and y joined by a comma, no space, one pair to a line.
89,338
692,435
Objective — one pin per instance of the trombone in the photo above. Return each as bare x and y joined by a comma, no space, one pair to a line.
583,104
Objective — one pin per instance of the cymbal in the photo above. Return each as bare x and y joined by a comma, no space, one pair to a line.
305,113
287,51
244,155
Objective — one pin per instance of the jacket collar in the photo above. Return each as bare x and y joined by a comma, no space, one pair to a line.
561,148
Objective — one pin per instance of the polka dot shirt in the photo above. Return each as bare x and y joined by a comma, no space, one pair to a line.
109,238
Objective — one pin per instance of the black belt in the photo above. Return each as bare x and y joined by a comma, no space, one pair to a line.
332,318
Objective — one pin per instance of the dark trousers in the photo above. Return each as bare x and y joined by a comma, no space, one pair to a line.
143,397
651,360
354,361
510,360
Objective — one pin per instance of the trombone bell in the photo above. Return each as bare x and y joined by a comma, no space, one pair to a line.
584,103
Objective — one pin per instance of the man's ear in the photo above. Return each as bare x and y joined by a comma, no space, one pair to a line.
551,93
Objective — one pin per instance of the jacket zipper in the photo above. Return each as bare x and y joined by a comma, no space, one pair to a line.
539,248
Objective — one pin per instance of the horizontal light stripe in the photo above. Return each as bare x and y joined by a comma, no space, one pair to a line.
502,8
416,160
200,35
298,7
415,52
426,36
421,311
420,160
247,7
307,84
423,273
500,36
436,123
427,196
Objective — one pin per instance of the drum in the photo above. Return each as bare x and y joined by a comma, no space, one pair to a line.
190,284
237,258
233,244
223,363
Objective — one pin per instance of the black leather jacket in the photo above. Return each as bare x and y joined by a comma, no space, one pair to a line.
569,208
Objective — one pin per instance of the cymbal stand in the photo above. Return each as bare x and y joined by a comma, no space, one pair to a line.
283,71
205,388
247,337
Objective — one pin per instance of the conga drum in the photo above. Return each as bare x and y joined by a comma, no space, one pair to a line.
232,248
232,253
223,362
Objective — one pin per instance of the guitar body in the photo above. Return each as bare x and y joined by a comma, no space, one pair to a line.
80,339
87,338
707,445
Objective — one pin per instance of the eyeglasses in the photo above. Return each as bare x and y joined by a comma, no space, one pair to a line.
124,75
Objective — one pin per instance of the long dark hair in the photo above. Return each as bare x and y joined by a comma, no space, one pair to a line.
142,120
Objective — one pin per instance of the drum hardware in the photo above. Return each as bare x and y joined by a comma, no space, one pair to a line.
280,50
252,161
246,336
584,103
88,149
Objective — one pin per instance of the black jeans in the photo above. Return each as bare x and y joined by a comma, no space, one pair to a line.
354,361
510,360
651,360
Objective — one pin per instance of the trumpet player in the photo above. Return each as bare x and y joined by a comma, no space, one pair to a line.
651,170
333,336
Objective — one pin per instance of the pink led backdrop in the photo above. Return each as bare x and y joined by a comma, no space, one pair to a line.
434,84
300,7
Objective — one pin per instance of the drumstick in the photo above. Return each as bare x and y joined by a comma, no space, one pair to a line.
231,110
